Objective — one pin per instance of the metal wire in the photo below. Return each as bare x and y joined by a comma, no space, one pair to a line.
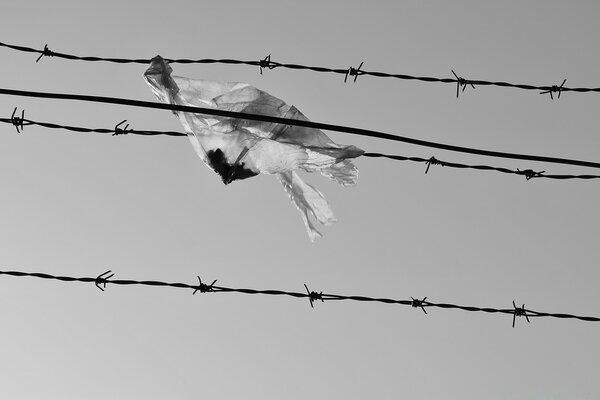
105,279
527,173
296,122
267,63
20,122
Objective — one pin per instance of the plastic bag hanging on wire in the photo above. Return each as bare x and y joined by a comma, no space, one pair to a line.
238,148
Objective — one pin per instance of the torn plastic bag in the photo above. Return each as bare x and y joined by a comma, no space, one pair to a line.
238,148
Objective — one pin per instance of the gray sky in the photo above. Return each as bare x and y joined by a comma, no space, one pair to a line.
147,208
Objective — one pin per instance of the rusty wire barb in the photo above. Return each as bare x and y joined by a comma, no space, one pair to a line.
313,296
204,288
461,83
355,72
555,89
519,312
101,280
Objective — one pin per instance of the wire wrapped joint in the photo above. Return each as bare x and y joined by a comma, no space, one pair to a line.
203,287
519,312
313,296
555,89
266,63
103,279
122,131
417,303
355,72
461,83
46,52
17,121
529,173
433,161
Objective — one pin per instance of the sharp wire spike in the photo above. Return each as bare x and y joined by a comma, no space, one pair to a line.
519,311
102,279
354,72
529,173
265,63
46,52
18,121
121,131
461,82
313,296
416,303
203,287
432,161
555,88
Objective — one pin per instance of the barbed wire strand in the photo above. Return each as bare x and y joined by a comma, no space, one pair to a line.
267,63
20,122
296,122
527,173
105,279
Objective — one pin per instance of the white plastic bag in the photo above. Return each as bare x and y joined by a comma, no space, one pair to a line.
238,148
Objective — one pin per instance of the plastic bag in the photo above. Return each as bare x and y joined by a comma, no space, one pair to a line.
238,148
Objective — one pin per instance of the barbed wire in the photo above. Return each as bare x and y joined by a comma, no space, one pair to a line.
20,122
527,173
105,278
296,122
266,63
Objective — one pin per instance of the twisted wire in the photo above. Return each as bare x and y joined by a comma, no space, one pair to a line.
269,64
105,279
296,122
114,131
21,122
527,173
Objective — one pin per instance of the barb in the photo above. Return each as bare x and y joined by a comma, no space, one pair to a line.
354,72
266,63
529,173
204,288
519,312
116,131
121,131
416,303
46,52
554,89
272,64
461,82
432,161
103,279
17,121
313,296
295,122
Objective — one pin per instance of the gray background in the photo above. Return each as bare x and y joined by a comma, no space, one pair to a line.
147,208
